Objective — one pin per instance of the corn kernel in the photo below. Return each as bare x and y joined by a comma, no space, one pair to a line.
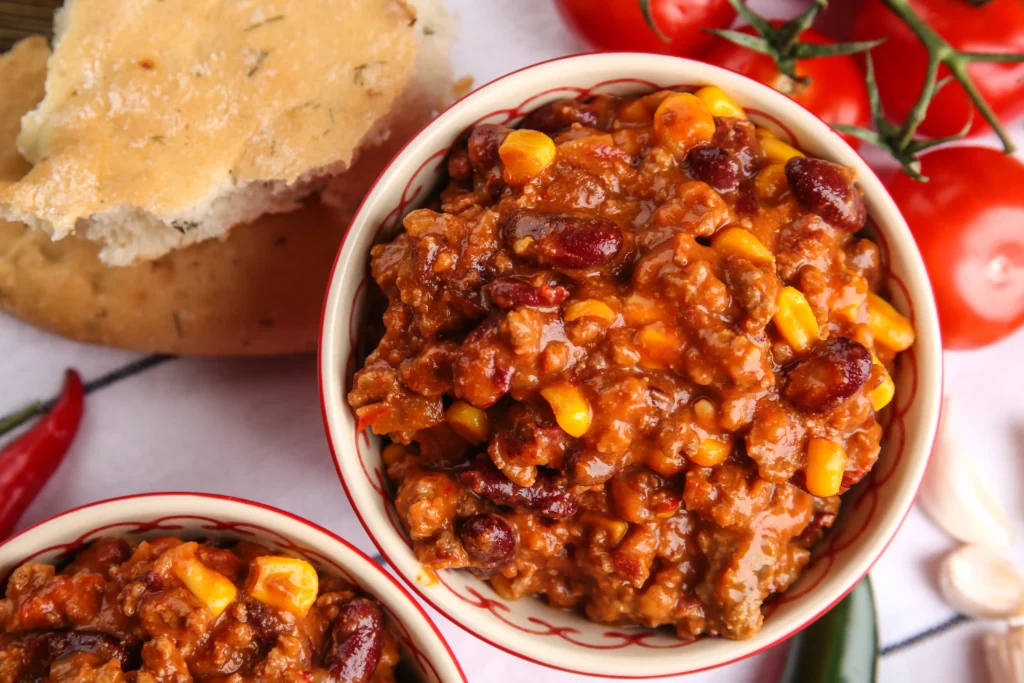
659,344
778,152
742,243
392,453
719,104
211,588
888,326
681,122
469,422
525,154
826,462
795,320
704,411
763,133
615,529
571,408
590,308
882,395
712,452
771,183
287,583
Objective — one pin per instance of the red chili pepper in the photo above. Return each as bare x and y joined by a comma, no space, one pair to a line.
28,462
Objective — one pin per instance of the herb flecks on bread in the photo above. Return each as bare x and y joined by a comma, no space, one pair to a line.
166,123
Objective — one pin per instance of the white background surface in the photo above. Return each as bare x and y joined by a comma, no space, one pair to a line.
253,429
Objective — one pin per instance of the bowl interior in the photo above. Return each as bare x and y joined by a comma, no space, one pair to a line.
871,512
153,516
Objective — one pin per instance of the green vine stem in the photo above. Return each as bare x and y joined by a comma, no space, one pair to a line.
645,9
783,44
16,419
940,52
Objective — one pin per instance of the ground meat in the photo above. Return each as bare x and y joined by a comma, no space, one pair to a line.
119,613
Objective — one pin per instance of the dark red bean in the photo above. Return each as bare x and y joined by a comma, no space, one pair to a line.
356,643
835,370
546,497
559,115
516,291
43,649
483,145
561,240
488,540
827,189
482,371
714,166
266,623
459,166
746,203
739,138
154,582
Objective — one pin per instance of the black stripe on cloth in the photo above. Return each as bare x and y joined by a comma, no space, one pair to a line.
134,368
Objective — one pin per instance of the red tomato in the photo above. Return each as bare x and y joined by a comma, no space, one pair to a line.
969,225
620,24
836,94
900,61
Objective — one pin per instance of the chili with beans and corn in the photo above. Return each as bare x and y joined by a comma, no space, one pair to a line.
166,610
633,354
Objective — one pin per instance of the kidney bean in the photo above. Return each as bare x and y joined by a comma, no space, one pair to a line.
483,145
714,166
154,582
482,371
460,168
835,370
45,648
488,540
561,240
739,138
559,115
516,291
827,190
546,497
356,642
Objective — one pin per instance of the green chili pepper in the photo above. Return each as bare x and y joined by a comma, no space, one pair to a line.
840,647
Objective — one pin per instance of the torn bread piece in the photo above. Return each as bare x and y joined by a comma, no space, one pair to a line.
167,122
257,291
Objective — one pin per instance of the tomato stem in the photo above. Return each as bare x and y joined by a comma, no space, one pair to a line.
940,52
645,9
783,44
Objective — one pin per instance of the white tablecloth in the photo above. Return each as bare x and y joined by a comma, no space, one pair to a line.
253,429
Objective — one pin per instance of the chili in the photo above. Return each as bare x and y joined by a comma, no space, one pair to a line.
29,462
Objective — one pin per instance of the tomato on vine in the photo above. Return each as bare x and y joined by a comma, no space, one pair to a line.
967,223
665,26
990,36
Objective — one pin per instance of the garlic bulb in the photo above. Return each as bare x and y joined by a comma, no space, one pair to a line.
956,496
1004,654
979,582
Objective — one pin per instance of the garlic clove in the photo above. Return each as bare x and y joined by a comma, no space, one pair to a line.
955,495
1004,655
979,582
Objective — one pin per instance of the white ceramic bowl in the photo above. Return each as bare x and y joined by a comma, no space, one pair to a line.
193,515
528,628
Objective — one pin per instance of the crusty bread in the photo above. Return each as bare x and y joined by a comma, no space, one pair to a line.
165,123
257,292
